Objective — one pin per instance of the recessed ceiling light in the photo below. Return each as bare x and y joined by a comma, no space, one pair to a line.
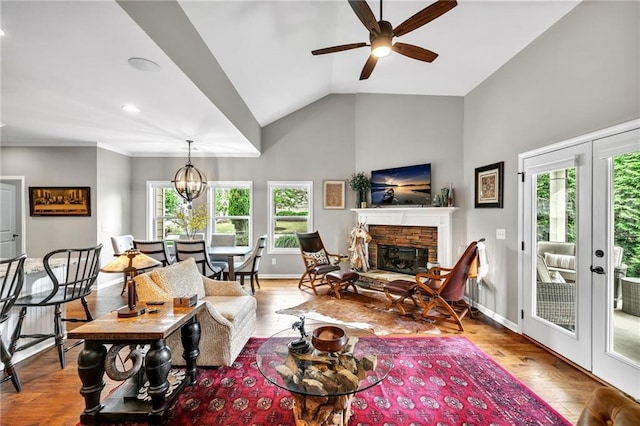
1,33
142,64
2,124
130,108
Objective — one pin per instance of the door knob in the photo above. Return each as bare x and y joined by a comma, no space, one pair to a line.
597,270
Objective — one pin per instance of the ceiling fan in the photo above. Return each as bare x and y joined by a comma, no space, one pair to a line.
381,34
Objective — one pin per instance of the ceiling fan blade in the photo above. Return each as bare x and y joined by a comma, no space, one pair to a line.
426,15
364,13
338,48
414,52
368,67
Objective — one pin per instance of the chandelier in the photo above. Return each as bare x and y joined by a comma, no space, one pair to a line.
189,182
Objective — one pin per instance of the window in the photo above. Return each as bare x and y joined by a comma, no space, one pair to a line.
290,208
230,210
163,204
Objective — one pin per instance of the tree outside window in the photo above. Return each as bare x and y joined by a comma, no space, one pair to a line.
290,212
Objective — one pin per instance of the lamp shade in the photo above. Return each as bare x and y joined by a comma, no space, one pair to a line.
130,261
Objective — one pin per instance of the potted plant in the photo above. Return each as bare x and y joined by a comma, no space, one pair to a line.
192,220
360,183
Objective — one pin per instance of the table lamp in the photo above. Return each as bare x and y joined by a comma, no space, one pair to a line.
130,262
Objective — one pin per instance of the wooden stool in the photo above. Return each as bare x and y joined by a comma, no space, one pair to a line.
339,280
404,290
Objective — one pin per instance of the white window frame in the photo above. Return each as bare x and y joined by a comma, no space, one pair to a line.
151,218
271,185
213,185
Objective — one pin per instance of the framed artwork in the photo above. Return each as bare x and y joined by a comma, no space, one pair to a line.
489,182
333,194
59,201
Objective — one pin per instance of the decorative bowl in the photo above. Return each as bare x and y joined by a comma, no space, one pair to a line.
329,338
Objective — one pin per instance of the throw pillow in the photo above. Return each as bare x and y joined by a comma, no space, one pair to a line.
180,279
562,261
319,256
556,277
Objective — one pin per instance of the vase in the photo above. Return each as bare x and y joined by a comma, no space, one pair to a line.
445,196
361,199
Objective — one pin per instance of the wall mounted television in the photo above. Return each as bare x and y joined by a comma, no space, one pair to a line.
402,186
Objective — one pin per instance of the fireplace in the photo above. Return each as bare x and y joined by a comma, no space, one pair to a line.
426,227
402,259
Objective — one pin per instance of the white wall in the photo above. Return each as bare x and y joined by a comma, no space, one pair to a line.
579,76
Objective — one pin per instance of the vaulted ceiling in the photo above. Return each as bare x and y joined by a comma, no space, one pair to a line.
226,68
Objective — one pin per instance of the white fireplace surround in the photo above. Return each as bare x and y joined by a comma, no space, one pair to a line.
439,217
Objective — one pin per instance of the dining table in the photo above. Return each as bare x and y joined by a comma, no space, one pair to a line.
231,252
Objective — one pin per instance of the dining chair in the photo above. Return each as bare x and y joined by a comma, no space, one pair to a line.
72,273
156,249
317,260
251,265
221,240
444,288
197,249
12,279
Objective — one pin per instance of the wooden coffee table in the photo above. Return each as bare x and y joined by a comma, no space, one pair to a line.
151,328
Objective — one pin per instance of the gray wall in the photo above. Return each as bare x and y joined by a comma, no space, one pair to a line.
579,76
54,167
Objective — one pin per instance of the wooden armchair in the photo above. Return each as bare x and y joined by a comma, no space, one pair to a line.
444,288
317,260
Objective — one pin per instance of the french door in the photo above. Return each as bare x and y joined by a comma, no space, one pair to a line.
556,303
616,296
582,199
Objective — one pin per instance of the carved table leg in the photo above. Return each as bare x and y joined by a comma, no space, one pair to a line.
157,366
191,343
91,371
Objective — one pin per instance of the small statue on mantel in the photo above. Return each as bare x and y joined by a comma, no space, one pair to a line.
302,344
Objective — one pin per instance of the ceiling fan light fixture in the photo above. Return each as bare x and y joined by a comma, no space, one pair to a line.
381,47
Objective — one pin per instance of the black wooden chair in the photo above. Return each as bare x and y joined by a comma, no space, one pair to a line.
12,279
197,249
317,260
156,249
73,272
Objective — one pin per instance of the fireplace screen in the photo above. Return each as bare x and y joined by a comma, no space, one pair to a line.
405,260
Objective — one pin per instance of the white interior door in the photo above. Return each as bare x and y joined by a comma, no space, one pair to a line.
616,288
556,303
8,231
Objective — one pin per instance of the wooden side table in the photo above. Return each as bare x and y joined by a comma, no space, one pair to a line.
151,328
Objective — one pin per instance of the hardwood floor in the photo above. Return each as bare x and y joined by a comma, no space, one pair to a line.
50,396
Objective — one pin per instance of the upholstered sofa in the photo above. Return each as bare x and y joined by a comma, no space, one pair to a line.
227,321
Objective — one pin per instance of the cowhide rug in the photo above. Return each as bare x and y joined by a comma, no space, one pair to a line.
364,310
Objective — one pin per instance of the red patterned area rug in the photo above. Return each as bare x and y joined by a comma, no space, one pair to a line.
434,381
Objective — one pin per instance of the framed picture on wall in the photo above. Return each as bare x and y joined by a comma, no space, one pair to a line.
333,194
59,201
488,185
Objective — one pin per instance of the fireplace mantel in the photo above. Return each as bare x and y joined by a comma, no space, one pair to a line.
440,217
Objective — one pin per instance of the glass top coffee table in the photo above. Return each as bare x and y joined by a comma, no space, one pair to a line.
323,381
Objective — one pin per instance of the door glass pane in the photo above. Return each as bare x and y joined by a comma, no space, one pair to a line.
626,256
555,278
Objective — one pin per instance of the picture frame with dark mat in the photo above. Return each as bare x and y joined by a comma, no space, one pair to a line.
489,186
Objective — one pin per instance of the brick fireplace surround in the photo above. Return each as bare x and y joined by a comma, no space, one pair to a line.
406,236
